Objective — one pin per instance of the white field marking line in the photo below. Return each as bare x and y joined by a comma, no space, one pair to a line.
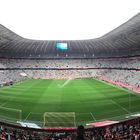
110,118
75,120
121,88
10,99
4,103
27,116
93,116
120,106
113,118
66,82
7,101
118,116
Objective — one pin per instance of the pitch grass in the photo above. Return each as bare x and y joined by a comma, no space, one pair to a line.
90,99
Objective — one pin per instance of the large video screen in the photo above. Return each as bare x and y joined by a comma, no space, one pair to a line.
61,46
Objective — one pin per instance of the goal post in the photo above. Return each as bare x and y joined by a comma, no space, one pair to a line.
10,114
59,119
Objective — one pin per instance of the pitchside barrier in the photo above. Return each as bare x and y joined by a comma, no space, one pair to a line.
59,119
10,113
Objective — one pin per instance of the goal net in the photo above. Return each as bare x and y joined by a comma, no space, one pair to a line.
59,119
10,114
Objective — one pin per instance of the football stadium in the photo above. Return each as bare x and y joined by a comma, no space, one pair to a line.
64,89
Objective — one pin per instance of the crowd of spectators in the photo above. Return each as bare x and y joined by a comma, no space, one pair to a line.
95,68
71,63
129,130
7,76
128,77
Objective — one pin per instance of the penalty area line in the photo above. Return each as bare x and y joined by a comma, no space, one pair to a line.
120,106
6,102
93,116
27,116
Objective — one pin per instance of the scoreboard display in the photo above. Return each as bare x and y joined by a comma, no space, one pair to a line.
61,46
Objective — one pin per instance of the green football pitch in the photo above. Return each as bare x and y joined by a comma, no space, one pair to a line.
73,102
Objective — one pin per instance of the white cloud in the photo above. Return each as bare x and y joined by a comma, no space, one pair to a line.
65,19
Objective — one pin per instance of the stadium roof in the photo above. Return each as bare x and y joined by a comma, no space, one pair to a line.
122,41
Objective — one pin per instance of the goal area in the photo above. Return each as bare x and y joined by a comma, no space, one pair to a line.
59,119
